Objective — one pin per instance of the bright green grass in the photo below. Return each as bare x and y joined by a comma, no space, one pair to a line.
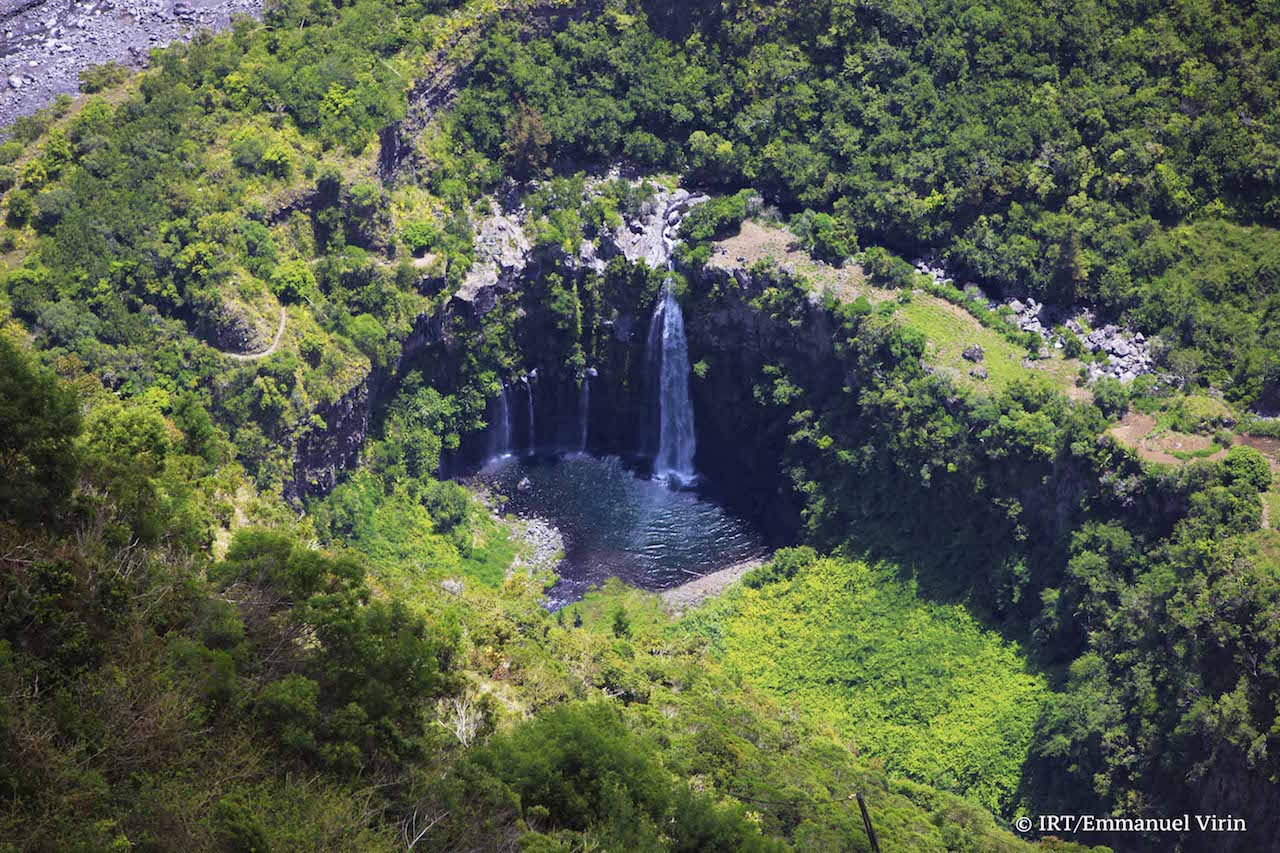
920,685
949,330
1271,500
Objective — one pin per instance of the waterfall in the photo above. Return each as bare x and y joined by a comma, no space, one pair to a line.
500,427
533,432
669,354
653,382
584,409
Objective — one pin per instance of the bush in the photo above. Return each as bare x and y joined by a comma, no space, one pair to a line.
247,151
1246,465
293,281
579,767
277,161
99,77
418,237
719,217
289,705
39,423
21,207
784,565
824,236
237,828
1111,397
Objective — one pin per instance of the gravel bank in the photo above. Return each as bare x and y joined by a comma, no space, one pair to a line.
45,45
694,593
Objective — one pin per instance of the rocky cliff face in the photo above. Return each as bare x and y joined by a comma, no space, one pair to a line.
652,235
320,455
506,262
732,324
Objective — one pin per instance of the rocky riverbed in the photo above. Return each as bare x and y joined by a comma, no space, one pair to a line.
45,45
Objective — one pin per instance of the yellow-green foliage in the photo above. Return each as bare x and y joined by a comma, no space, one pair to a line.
399,536
949,330
920,685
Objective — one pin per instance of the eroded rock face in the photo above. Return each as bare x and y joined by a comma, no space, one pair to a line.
734,325
502,254
320,455
236,329
505,260
652,235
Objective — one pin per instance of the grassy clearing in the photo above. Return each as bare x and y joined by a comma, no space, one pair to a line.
918,684
948,328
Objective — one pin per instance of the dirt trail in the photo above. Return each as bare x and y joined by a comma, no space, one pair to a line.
254,356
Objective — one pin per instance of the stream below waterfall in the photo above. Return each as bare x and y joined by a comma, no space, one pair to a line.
617,524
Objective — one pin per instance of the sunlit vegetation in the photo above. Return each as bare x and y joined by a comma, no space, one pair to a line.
997,609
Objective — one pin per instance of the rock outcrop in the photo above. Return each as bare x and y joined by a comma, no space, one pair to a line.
502,255
233,327
652,235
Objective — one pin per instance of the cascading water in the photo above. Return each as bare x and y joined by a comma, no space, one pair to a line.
584,410
668,352
500,427
533,432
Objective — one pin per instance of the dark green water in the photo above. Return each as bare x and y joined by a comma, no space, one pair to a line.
615,524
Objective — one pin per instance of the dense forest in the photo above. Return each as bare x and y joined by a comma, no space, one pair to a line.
242,343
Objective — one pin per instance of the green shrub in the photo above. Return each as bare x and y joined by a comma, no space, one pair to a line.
289,705
418,237
784,565
21,206
824,236
39,424
238,828
1111,396
98,77
293,281
718,218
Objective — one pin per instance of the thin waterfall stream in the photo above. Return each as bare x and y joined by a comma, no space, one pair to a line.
533,432
500,427
584,411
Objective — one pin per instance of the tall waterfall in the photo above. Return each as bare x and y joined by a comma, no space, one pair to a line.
668,353
584,411
500,427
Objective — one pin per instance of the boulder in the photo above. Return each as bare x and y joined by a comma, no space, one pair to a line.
973,353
